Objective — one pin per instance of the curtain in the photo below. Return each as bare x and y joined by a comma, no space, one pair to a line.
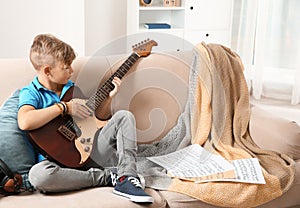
266,34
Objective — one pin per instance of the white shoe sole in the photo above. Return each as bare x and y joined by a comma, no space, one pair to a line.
138,199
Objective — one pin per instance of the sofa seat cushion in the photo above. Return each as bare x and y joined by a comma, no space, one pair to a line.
178,200
101,197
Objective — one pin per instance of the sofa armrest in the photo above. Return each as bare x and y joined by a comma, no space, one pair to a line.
275,133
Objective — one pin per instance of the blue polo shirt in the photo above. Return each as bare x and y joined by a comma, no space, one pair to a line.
40,97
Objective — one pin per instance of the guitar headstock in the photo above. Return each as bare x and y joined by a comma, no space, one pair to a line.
144,47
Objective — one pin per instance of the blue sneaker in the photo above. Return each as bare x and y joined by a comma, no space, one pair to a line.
131,188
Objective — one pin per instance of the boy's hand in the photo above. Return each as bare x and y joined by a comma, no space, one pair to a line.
116,82
77,108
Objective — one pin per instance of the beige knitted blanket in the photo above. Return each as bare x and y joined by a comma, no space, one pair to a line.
219,122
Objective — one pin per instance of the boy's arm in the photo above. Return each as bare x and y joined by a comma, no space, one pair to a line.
104,111
30,118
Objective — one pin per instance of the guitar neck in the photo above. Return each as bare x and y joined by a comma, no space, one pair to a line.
102,93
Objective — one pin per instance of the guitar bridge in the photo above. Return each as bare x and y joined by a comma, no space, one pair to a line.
67,133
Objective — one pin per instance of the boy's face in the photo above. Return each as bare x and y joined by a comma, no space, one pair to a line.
61,73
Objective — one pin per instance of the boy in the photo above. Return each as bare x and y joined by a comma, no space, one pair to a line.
41,100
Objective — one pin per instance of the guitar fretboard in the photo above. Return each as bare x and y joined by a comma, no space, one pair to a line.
101,94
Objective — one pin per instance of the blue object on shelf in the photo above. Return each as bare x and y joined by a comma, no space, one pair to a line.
157,26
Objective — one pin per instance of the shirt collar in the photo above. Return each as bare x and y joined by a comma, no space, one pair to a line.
39,86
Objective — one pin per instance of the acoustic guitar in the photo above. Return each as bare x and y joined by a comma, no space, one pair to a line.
68,140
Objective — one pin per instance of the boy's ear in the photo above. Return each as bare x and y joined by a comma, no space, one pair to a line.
46,70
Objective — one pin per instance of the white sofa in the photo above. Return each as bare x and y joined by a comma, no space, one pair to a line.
15,73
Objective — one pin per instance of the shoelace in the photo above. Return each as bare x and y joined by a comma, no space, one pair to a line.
113,178
135,181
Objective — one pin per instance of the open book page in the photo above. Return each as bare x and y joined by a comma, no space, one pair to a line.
214,177
246,171
195,163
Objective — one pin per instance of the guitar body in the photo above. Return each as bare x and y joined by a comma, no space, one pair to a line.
70,152
69,141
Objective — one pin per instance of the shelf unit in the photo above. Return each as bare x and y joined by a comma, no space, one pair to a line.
191,22
209,21
171,15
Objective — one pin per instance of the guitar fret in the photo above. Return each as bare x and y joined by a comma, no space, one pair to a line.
110,85
127,64
122,67
103,93
130,61
120,74
124,71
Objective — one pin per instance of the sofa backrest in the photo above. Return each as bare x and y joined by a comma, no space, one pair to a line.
154,90
15,73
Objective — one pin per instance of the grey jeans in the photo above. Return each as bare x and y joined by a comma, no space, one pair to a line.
115,146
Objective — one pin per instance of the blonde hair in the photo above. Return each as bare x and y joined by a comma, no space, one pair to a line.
46,49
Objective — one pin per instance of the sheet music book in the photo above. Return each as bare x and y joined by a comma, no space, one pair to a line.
199,165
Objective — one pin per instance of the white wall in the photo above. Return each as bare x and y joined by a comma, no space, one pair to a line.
105,21
69,20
